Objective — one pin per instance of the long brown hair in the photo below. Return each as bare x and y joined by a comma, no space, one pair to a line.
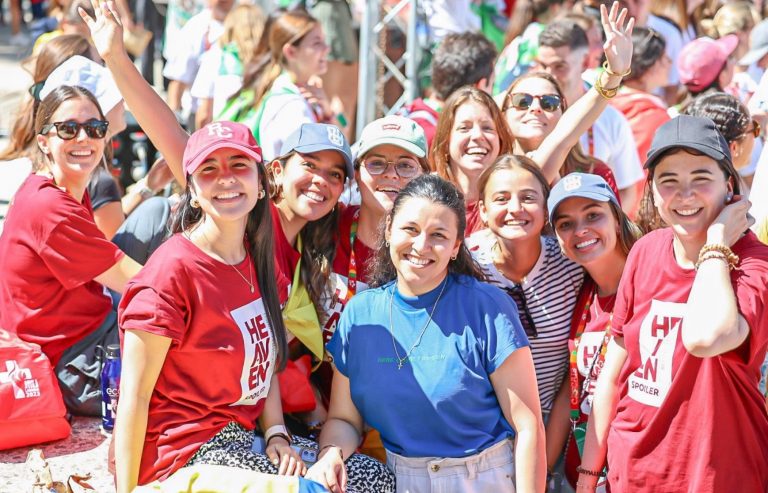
244,27
439,158
48,107
289,28
52,54
260,236
576,160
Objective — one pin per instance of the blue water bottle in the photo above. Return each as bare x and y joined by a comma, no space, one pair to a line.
110,386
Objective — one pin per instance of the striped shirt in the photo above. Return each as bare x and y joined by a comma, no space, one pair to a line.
550,289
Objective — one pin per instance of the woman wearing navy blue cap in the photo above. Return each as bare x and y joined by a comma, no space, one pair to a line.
690,333
594,232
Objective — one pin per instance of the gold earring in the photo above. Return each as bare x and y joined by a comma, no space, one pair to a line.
454,257
195,203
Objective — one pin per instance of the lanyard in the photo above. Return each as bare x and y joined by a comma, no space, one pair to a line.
573,370
591,141
352,269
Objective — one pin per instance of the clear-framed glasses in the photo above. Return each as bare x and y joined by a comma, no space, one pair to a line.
404,167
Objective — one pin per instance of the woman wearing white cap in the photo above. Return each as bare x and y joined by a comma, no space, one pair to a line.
689,334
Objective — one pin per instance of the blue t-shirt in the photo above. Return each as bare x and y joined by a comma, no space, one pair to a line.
441,403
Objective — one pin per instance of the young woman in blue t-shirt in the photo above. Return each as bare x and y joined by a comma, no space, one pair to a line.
434,359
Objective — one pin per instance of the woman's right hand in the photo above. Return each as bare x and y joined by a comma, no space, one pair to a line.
731,223
106,28
329,471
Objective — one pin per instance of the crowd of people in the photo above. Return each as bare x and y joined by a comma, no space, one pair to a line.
548,273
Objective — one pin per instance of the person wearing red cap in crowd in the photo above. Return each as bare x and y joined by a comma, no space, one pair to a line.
707,64
677,404
176,313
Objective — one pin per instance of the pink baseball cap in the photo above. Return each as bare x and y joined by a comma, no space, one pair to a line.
219,135
702,60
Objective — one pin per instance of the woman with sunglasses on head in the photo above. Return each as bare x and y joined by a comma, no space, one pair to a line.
518,256
429,315
689,335
55,261
596,234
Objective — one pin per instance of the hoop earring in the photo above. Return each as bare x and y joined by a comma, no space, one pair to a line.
454,257
195,203
386,243
261,194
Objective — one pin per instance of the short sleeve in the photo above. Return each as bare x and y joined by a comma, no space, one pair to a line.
338,346
504,334
150,310
75,251
625,295
751,292
103,190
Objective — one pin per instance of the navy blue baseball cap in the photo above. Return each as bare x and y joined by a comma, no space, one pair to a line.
315,137
583,185
689,132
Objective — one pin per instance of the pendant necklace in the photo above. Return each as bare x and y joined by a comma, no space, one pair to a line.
401,361
250,271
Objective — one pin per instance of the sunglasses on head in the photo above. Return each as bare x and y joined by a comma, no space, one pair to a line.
523,101
756,129
68,130
526,319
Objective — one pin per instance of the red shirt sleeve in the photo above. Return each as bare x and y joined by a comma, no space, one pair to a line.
154,311
625,296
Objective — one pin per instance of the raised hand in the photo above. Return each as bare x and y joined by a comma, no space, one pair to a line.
106,28
618,37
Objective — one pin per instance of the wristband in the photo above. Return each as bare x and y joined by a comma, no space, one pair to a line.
279,435
277,430
608,70
596,474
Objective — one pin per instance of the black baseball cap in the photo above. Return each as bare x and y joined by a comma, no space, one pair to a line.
689,132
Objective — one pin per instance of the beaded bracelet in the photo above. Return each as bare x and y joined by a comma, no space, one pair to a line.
712,255
608,70
596,474
731,257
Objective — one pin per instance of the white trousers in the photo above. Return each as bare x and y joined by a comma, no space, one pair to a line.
490,471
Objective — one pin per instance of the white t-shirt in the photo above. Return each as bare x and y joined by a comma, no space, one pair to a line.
550,290
211,84
450,16
675,40
12,175
615,145
283,114
758,195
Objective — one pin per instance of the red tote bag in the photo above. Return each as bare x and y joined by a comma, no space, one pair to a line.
31,408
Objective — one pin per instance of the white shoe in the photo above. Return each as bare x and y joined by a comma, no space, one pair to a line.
20,39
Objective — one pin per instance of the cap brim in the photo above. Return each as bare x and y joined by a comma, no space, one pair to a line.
753,56
706,150
325,147
401,143
202,155
584,195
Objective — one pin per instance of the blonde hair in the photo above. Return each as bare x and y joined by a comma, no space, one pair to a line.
244,27
736,17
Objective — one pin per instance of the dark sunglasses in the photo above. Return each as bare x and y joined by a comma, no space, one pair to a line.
523,101
68,130
405,168
526,319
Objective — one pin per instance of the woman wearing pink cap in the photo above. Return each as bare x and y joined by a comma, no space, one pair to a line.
707,65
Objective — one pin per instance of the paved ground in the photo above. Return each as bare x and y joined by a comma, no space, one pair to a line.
15,81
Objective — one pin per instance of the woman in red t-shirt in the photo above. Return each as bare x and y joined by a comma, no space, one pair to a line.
54,260
679,388
175,314
595,233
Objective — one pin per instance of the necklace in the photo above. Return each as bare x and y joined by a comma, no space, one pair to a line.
250,272
401,361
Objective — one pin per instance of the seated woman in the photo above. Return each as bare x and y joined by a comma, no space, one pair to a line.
55,261
175,313
689,334
394,339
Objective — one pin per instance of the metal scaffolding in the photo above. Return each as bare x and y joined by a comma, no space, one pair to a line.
376,68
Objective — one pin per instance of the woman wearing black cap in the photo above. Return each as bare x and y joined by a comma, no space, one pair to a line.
689,334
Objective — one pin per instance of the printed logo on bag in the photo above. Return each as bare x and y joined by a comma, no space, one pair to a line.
650,382
21,380
259,357
219,130
334,135
571,182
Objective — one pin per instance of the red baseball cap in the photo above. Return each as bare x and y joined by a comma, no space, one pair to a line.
219,135
702,60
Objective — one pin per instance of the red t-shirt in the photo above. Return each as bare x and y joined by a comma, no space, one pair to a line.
685,423
588,360
474,221
222,355
339,282
50,253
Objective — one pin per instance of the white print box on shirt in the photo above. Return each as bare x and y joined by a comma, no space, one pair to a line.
650,383
259,355
589,346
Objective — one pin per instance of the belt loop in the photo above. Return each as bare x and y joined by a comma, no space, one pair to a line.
472,468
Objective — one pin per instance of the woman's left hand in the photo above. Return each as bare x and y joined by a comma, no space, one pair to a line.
287,460
315,95
731,223
618,37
